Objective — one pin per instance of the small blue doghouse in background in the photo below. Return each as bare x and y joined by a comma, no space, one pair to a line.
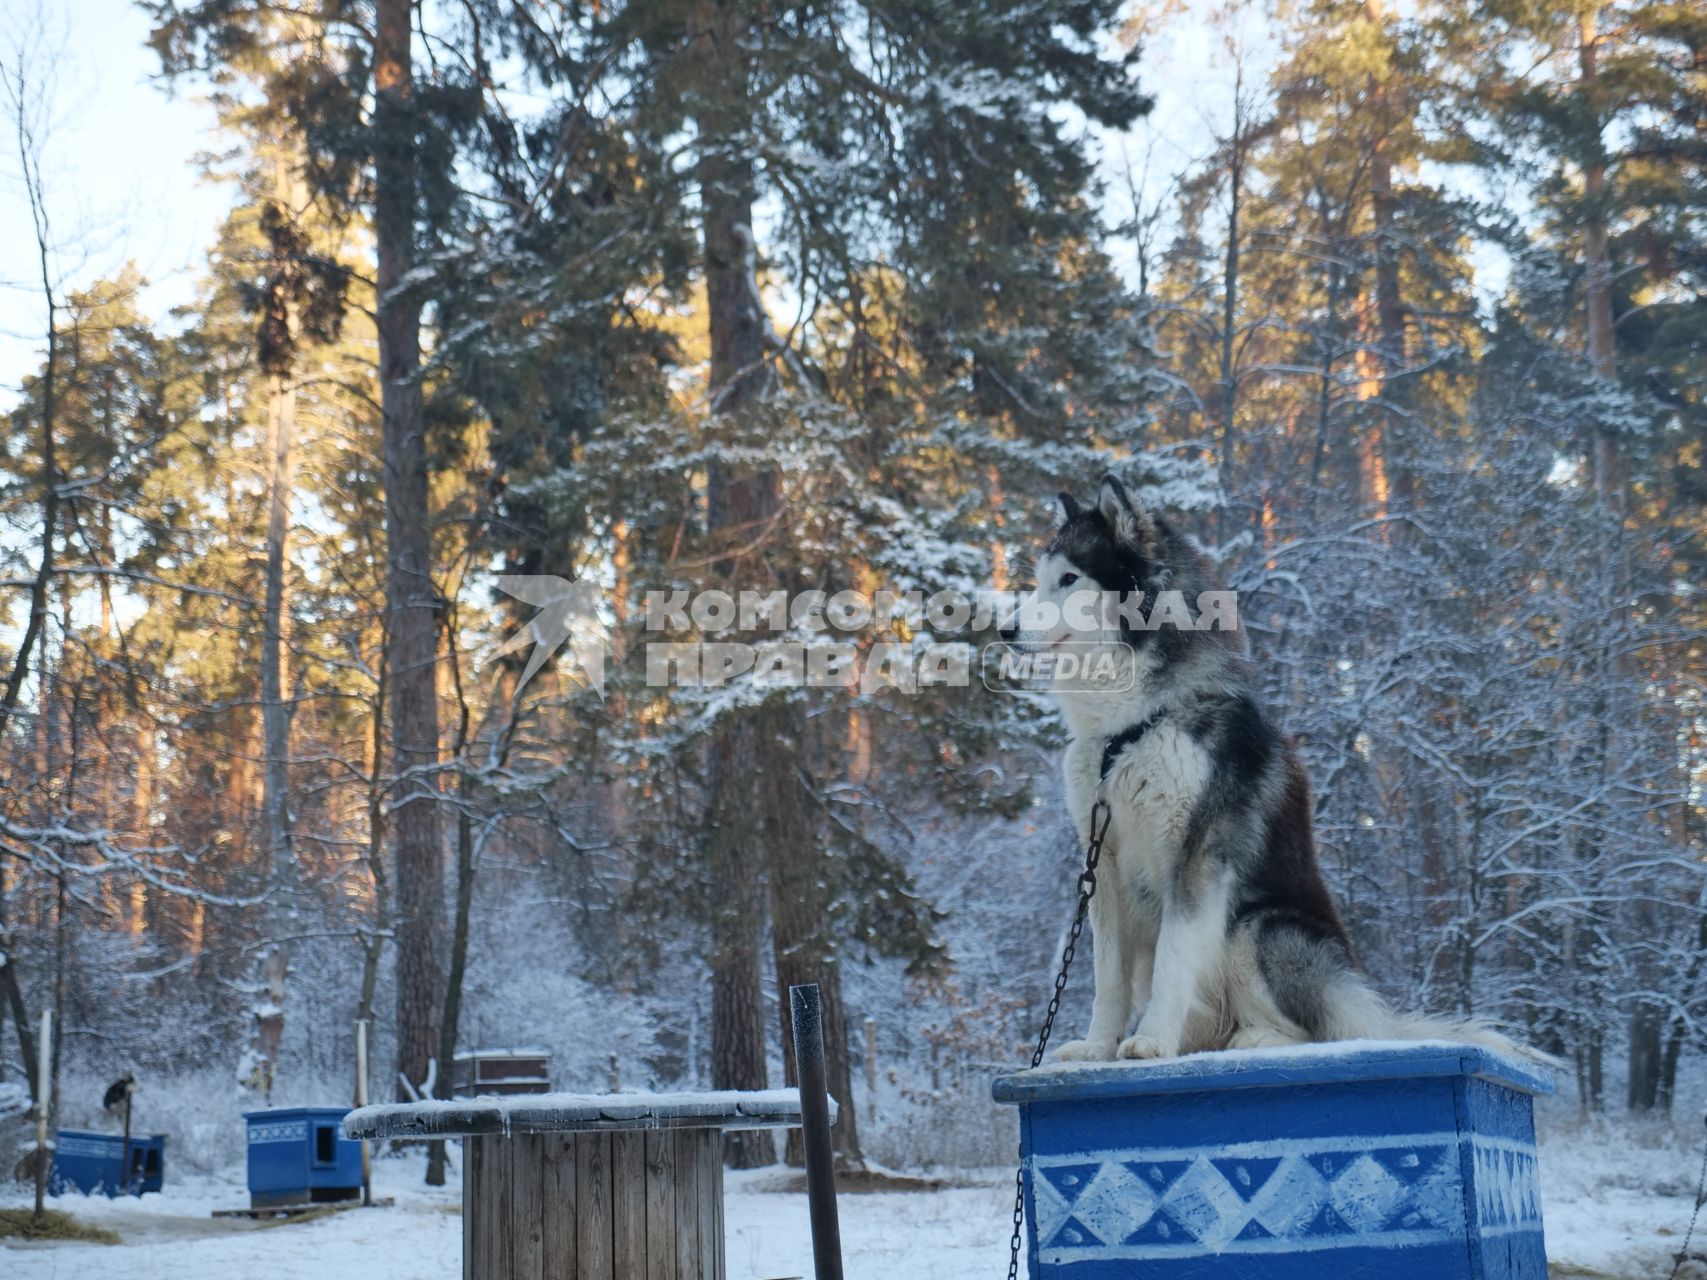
299,1155
1404,1161
94,1163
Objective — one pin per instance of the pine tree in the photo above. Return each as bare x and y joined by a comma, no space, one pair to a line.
396,160
949,312
994,299
284,270
1607,122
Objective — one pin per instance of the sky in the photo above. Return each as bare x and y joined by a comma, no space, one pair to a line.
123,182
119,166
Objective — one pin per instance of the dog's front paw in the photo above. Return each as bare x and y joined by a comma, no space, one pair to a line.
1085,1051
1143,1046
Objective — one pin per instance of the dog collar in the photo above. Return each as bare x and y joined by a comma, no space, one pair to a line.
1125,738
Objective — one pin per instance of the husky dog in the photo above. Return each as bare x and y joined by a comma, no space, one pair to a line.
1211,920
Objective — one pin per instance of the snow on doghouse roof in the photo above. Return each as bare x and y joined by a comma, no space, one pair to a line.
558,1112
523,1051
1340,1060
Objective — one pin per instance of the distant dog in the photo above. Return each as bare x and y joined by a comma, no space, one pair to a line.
1211,920
118,1093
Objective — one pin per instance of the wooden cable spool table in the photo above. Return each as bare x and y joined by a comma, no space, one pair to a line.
567,1186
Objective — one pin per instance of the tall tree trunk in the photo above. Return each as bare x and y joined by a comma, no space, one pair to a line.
734,864
373,940
1597,1071
274,961
61,962
1677,1024
411,593
801,884
36,623
450,1025
1618,674
1646,1057
462,914
1677,1031
1230,283
137,911
742,500
1387,469
1597,267
1324,444
1384,206
13,991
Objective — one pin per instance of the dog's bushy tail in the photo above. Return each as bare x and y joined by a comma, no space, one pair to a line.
1356,1011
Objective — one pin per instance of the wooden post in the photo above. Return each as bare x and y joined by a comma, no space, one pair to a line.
124,1150
870,1069
361,1101
44,1099
806,1009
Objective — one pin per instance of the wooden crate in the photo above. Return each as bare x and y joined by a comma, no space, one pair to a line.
501,1072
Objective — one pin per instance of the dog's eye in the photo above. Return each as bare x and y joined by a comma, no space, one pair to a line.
1068,579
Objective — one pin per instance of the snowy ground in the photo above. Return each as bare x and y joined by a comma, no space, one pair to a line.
1615,1208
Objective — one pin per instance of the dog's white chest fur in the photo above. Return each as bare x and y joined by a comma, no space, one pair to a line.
1151,790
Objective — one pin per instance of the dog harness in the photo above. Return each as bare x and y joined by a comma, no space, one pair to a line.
1128,737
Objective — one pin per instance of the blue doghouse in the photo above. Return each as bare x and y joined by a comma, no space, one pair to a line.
94,1163
299,1155
1404,1161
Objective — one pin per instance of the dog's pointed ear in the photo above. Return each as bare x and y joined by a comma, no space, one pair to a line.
1066,507
1129,521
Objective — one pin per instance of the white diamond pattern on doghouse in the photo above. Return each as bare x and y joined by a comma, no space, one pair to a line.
1206,1205
1508,1186
1309,1193
1115,1203
1366,1194
1291,1199
287,1131
1057,1190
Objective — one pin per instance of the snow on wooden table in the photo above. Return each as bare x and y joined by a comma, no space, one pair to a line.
575,1112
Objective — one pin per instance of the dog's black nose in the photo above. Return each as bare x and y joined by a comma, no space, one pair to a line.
1008,631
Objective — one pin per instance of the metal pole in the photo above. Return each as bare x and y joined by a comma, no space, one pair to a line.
124,1156
806,1009
871,1069
361,1101
44,1095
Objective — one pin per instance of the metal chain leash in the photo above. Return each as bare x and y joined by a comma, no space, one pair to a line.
1689,1236
1087,891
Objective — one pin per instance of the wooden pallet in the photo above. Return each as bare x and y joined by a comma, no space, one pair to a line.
298,1210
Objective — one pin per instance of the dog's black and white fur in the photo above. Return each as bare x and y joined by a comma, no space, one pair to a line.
1211,921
